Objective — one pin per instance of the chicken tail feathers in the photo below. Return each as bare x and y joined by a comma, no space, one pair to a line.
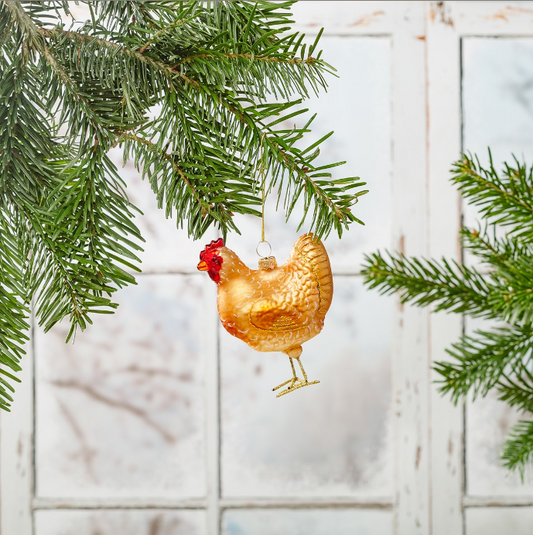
315,255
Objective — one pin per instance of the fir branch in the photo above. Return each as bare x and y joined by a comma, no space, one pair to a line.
160,32
76,99
502,358
480,361
186,88
496,252
154,147
14,310
60,36
505,199
516,389
422,282
518,450
332,203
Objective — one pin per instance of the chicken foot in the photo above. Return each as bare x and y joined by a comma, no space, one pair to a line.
295,383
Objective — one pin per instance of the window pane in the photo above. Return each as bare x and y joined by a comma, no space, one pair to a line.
498,113
121,412
489,422
357,108
330,439
498,97
499,520
307,522
119,523
497,102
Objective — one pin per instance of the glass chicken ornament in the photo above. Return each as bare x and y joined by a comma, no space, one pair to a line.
273,308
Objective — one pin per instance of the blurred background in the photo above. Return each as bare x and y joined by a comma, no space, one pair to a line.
158,422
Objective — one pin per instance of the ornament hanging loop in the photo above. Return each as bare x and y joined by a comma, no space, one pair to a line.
266,261
259,245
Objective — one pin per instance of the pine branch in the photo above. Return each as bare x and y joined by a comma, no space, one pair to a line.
510,261
177,186
214,115
516,389
77,109
65,221
78,258
500,253
502,358
189,90
14,311
505,200
518,450
481,360
422,282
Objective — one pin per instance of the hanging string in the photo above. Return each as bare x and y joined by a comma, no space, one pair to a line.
262,169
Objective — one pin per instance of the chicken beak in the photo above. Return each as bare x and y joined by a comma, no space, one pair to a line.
202,266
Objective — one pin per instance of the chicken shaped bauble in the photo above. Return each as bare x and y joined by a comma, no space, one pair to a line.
273,308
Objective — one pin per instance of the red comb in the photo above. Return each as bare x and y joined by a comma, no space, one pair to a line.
212,247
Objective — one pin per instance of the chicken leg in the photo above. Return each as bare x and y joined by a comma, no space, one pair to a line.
295,382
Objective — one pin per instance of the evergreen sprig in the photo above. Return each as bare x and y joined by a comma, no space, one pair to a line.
499,289
448,285
504,198
518,450
201,95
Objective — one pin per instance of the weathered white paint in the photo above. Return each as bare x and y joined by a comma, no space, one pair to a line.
346,18
444,220
16,455
498,19
410,352
212,387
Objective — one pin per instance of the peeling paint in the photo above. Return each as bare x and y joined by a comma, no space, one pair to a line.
366,20
418,456
517,10
441,9
509,11
500,15
155,525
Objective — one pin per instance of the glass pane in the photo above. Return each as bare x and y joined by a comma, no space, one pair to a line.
497,103
357,108
330,439
121,412
120,523
498,113
499,521
307,522
488,423
498,97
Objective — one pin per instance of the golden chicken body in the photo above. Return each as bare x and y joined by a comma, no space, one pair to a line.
273,309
